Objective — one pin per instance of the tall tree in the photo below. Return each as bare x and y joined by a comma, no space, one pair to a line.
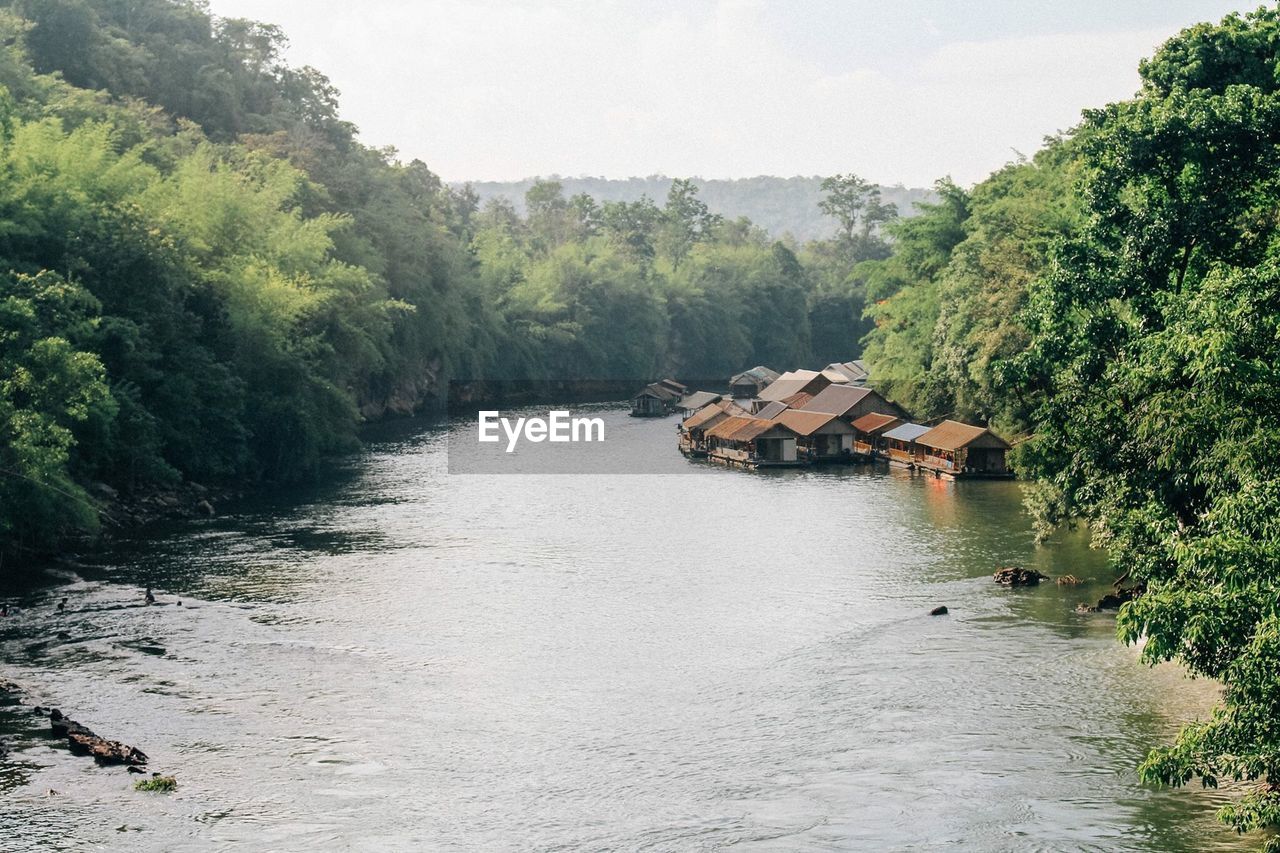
47,387
858,208
685,221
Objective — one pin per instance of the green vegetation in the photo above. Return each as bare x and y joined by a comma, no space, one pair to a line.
781,206
1117,298
207,277
948,305
1155,350
157,783
204,275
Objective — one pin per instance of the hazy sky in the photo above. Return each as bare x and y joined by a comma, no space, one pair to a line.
896,91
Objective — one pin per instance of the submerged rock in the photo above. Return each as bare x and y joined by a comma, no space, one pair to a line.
940,610
1113,600
83,741
1018,576
105,751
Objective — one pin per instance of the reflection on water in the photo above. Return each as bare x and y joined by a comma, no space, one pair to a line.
401,659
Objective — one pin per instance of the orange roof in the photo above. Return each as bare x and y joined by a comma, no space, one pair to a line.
953,435
740,429
875,423
796,400
707,415
805,423
838,399
793,382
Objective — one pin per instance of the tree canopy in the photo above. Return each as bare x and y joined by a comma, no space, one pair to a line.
205,275
244,282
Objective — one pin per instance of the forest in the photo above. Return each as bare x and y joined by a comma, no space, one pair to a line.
206,276
785,207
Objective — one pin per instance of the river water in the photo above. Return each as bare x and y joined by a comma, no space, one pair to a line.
404,659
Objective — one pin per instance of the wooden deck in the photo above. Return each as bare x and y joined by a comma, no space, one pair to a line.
738,459
946,469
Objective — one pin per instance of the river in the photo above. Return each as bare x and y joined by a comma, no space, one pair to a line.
694,659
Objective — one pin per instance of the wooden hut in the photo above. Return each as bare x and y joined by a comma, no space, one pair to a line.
869,430
752,443
769,411
954,449
693,429
851,402
690,403
677,388
749,383
847,372
794,382
796,400
821,437
656,400
901,443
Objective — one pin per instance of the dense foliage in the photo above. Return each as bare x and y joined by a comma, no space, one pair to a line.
207,277
948,305
1155,346
1117,298
781,206
204,275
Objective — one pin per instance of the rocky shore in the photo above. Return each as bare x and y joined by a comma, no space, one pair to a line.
121,511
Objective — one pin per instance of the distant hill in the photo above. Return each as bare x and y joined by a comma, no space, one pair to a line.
777,204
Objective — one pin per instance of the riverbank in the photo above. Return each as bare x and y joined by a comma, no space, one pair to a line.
124,510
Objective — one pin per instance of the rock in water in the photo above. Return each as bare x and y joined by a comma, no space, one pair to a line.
1018,576
940,610
1113,600
105,751
82,741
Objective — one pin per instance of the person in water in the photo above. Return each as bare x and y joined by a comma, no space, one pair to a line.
4,610
62,605
149,598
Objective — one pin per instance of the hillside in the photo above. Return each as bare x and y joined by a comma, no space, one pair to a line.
779,205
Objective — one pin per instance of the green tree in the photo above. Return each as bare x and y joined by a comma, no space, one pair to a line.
858,208
632,226
685,221
1016,218
549,216
1154,351
904,303
47,387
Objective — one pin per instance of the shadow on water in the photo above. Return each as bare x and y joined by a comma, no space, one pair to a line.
265,536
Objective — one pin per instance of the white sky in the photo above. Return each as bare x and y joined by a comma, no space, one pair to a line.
904,91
